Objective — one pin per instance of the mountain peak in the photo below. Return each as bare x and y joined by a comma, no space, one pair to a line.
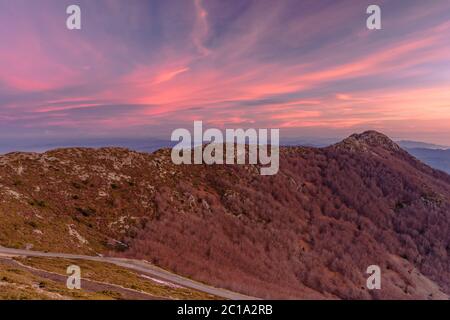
116,201
366,140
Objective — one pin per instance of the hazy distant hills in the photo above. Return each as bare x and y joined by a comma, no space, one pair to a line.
406,144
436,156
439,159
309,231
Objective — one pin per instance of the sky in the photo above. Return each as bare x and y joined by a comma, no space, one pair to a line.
142,68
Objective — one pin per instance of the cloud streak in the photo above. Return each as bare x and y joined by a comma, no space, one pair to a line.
152,66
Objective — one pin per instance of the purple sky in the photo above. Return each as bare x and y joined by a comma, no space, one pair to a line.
143,68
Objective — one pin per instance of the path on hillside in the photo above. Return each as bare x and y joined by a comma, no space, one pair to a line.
136,265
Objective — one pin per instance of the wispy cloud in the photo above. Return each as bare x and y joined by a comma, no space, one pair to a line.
151,66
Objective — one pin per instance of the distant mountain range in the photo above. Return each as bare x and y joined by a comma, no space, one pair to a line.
436,156
406,144
439,159
309,231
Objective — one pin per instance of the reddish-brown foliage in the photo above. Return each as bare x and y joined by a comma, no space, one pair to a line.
309,231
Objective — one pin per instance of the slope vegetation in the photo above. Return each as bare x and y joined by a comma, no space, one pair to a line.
310,231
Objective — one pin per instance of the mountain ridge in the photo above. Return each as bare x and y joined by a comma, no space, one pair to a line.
308,232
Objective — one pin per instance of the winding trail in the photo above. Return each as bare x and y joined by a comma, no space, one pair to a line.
136,265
